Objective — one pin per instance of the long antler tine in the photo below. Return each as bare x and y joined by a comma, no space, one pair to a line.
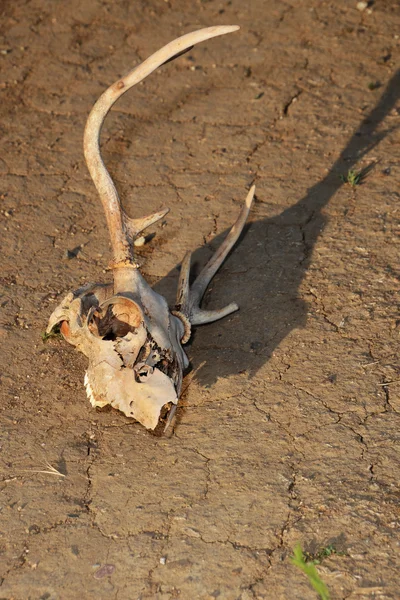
108,194
200,285
182,294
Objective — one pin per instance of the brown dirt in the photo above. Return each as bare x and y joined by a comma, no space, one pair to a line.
288,432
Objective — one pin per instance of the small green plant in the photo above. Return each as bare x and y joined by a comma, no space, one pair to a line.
310,571
353,177
356,177
54,334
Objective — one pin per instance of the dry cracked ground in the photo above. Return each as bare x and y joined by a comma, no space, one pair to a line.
288,426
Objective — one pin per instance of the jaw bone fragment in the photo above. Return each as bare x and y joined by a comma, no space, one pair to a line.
126,330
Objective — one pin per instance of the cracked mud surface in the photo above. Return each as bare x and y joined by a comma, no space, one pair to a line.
288,426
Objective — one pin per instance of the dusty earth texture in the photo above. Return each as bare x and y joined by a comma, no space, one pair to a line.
287,430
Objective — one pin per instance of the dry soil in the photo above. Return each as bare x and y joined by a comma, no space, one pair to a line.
288,426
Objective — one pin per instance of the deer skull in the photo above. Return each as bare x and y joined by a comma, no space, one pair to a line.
132,340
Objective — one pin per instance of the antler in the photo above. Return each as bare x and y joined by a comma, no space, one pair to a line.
121,227
188,297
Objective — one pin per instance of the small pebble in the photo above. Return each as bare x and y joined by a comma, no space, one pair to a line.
104,571
361,6
163,560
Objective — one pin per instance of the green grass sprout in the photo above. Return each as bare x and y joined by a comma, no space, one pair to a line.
54,334
356,177
310,571
353,177
374,85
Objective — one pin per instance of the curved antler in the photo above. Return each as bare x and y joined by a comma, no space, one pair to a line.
122,228
189,297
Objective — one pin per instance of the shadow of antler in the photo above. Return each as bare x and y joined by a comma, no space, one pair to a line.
268,266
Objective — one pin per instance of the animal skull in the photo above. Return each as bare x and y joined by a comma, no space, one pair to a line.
126,330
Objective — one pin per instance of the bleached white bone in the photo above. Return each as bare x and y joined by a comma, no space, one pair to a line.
133,341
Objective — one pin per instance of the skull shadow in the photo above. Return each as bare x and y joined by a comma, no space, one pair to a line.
265,269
